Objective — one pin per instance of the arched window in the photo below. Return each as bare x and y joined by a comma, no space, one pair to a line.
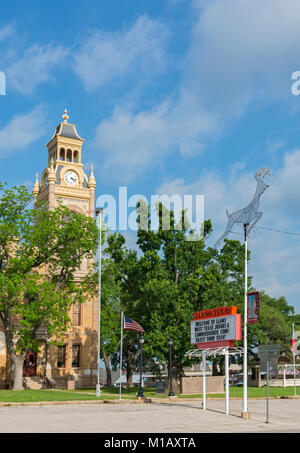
76,157
69,156
61,356
77,314
62,154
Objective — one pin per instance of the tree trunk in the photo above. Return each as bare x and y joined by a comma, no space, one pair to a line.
129,374
18,363
222,366
108,377
177,374
215,368
17,360
107,367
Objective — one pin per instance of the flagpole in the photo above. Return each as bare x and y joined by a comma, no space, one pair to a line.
294,356
245,414
98,387
121,355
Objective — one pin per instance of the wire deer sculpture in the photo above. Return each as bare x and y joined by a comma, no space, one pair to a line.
249,215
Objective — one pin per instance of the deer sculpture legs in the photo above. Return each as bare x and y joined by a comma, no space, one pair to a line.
258,216
228,229
232,221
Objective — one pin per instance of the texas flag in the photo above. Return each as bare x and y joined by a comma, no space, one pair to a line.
293,340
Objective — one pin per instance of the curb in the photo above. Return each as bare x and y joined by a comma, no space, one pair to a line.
61,403
48,403
293,397
124,401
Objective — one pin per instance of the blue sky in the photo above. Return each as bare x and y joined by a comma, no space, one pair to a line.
172,96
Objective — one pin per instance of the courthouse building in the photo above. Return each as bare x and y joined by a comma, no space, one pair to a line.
74,363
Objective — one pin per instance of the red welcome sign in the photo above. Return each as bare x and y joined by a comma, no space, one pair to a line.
217,327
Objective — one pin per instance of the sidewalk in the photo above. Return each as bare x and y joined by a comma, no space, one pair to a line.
163,417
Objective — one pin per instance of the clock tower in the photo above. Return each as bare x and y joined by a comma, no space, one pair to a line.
64,181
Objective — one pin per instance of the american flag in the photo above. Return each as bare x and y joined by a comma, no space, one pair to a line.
132,325
293,340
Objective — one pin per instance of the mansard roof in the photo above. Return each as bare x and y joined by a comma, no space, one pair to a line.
66,129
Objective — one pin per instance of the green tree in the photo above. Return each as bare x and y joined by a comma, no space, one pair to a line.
40,251
110,316
274,326
171,278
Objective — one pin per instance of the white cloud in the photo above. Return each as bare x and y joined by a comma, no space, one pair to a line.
25,73
21,131
243,50
6,31
130,143
239,52
275,256
107,56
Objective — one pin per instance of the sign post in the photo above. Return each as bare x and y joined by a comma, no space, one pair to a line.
268,375
204,380
216,329
226,382
160,387
268,354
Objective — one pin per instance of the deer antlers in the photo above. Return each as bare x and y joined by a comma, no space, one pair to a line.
262,172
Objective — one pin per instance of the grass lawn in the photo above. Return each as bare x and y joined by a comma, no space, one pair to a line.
8,396
234,392
42,395
252,392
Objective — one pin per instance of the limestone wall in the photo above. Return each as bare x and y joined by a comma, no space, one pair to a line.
214,384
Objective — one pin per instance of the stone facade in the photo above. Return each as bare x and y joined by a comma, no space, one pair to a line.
63,180
190,385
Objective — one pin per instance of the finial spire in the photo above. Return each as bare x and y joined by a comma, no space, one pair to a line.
92,181
65,116
36,186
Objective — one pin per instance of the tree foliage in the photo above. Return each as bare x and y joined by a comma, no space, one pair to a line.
274,326
40,251
171,275
170,278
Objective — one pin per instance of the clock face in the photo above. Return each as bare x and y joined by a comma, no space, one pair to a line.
71,177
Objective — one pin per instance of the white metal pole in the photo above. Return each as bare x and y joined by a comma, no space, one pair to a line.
295,387
121,353
203,380
226,382
245,365
268,371
294,357
98,389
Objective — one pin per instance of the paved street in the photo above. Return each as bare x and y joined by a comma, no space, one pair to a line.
175,417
